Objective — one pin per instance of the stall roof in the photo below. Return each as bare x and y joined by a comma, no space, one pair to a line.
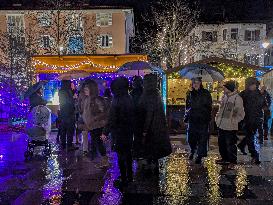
89,63
216,60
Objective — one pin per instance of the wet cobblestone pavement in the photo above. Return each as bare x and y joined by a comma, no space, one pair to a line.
69,178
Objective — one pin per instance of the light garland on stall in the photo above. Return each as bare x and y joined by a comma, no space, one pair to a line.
72,67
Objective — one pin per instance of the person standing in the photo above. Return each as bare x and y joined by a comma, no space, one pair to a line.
198,117
155,141
230,113
120,125
254,103
263,128
67,115
137,85
94,115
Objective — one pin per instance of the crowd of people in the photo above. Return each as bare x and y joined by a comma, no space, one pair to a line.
248,110
135,122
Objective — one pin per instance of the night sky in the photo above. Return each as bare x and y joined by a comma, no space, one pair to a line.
211,10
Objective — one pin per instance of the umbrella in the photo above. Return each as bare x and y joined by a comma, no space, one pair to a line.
34,88
206,72
73,75
139,68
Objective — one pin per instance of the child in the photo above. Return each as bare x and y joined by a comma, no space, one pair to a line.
231,112
120,124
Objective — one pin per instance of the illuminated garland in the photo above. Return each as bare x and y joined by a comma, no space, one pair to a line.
72,67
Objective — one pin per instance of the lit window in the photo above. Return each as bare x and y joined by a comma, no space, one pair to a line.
75,22
234,33
104,19
252,35
44,19
105,41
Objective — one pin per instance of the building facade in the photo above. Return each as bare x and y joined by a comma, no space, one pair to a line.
90,30
238,41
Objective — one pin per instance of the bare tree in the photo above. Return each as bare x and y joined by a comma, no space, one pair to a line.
172,21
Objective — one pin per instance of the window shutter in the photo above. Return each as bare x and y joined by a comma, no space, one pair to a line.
99,40
257,35
203,35
110,19
98,19
246,35
110,40
51,41
41,41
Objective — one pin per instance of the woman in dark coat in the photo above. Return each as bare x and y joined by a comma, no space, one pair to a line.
156,141
67,114
120,125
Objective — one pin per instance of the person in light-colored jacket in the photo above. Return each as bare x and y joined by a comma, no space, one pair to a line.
231,112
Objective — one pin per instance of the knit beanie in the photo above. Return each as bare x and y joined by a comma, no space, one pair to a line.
230,85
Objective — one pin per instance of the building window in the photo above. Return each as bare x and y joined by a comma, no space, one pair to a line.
15,24
234,33
46,41
209,36
44,19
75,22
253,59
104,19
233,56
224,34
252,35
75,45
105,41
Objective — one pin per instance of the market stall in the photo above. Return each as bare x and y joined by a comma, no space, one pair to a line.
177,88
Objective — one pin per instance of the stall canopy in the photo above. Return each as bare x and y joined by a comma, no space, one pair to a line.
88,63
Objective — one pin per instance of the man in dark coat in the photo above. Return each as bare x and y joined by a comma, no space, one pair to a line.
263,128
67,114
254,103
198,117
120,125
156,141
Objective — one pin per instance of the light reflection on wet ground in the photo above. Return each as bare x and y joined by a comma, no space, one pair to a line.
68,178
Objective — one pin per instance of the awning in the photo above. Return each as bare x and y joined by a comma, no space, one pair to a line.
88,63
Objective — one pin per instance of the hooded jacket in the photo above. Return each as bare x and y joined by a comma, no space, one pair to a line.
231,112
94,108
121,116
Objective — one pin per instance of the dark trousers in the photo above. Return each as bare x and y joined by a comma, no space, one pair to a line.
249,139
198,135
67,133
97,142
227,140
125,163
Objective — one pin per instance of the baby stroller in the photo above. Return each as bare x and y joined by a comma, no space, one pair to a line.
38,130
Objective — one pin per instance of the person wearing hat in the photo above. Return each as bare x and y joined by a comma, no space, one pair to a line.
198,117
230,113
254,103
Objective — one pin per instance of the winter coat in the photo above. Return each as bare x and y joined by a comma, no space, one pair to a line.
198,107
95,112
67,106
36,100
231,112
156,144
121,116
254,103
